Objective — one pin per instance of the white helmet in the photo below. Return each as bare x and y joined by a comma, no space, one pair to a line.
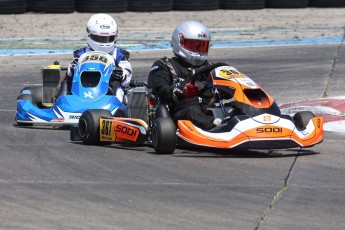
190,41
101,33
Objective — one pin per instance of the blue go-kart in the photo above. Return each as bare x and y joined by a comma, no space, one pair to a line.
45,105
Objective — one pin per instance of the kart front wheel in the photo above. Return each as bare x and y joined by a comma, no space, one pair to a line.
88,126
163,135
302,118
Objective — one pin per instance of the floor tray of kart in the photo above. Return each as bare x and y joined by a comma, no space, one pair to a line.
42,105
255,120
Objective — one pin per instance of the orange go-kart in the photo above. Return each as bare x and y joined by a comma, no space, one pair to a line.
251,119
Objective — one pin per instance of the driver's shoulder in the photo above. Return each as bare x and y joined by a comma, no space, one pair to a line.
120,54
78,52
161,63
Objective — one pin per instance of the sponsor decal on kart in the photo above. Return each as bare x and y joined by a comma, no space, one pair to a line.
114,130
106,130
266,118
57,119
269,130
246,81
97,57
227,72
126,132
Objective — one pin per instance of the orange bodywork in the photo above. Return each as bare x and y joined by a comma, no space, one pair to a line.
313,138
190,133
232,82
119,129
261,132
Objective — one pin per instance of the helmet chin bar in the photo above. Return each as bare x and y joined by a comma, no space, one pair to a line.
198,61
192,58
102,47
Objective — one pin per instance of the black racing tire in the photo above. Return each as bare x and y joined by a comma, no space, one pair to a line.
51,6
27,97
101,6
37,94
327,3
302,118
241,4
163,135
196,5
287,3
150,5
88,126
12,6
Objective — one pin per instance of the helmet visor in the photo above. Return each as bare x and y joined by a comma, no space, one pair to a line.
194,45
102,39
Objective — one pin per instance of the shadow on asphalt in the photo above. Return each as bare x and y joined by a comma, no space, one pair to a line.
194,151
214,153
226,153
41,127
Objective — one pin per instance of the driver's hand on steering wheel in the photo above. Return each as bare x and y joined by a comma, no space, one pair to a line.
190,90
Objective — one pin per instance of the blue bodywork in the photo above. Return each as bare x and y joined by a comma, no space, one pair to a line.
89,90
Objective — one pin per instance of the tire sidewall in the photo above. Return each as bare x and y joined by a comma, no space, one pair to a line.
89,126
164,135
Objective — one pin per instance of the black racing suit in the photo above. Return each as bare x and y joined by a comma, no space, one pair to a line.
163,80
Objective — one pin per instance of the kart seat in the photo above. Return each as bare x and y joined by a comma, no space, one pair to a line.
135,100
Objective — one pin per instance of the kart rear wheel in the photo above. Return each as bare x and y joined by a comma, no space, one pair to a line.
88,126
302,118
163,135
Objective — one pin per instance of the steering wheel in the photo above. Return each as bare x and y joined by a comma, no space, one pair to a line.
206,69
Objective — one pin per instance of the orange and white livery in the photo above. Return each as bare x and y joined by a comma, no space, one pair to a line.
251,120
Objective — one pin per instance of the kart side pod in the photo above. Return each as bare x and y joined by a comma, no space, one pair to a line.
98,127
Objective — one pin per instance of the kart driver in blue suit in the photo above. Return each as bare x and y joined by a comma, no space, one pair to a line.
102,33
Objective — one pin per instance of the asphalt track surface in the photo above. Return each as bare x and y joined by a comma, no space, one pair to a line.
47,182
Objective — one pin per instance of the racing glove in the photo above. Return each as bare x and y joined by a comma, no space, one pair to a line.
177,94
70,69
190,90
117,75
